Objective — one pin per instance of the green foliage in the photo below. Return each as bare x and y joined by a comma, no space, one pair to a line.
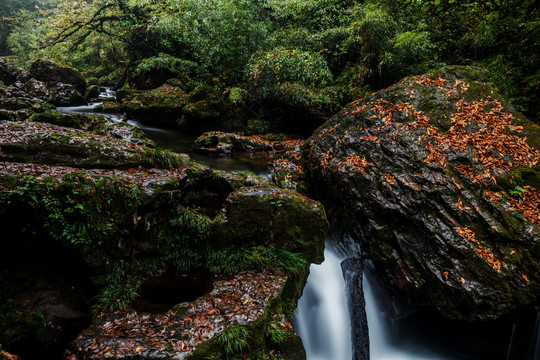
162,158
166,62
280,65
275,334
517,192
79,211
121,285
188,247
120,289
244,59
234,340
257,258
221,34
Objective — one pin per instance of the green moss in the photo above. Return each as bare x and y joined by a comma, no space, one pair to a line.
267,216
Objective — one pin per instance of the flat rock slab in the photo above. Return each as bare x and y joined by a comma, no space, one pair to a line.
239,299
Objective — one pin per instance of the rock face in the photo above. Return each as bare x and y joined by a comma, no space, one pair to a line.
52,73
8,73
440,180
47,82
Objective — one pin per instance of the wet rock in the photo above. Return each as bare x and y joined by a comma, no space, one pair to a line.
266,215
92,92
67,95
352,272
429,171
217,142
110,105
288,174
52,73
243,298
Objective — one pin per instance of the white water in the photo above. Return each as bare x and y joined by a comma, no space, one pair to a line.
382,343
322,317
323,322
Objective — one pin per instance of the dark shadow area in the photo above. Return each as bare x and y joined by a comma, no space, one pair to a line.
45,293
159,294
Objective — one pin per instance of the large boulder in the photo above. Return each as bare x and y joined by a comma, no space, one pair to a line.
439,179
52,73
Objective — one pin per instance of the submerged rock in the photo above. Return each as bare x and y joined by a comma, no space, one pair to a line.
439,178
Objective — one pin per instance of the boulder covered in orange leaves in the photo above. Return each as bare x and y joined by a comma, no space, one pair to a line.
440,179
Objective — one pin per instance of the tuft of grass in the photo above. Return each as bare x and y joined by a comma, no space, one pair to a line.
234,340
121,285
162,159
257,258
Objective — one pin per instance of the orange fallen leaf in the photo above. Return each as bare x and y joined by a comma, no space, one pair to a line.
463,281
525,277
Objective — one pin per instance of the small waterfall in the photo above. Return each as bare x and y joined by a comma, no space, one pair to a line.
322,317
324,324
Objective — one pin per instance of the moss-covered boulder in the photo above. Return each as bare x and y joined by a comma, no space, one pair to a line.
53,73
266,215
52,144
109,105
159,107
439,177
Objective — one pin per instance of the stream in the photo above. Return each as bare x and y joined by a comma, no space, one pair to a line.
322,318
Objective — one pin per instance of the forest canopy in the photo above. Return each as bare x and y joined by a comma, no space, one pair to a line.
252,56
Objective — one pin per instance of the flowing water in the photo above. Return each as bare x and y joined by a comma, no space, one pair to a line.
323,317
181,142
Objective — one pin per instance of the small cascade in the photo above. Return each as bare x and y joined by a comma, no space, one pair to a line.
107,93
322,317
